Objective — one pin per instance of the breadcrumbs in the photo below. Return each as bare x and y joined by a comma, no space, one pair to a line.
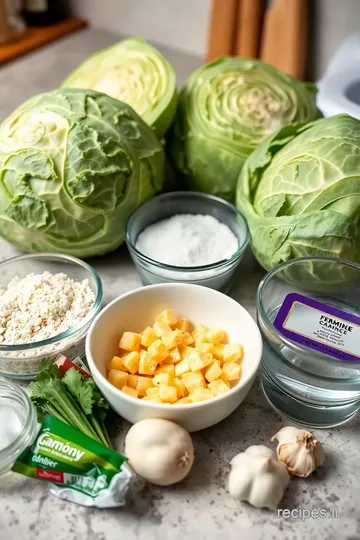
40,306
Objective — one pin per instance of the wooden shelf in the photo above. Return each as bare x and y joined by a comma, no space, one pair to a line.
34,38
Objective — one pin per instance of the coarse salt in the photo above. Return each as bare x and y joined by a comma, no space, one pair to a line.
188,240
40,306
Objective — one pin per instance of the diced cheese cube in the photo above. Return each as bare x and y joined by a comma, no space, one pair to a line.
131,362
205,347
118,378
233,352
231,371
168,394
129,391
180,386
193,380
213,372
185,350
147,364
219,351
148,337
168,317
130,341
183,325
166,368
116,363
149,398
182,367
153,391
199,331
143,384
187,338
132,381
183,401
158,351
215,335
198,361
161,328
172,339
162,378
200,394
218,387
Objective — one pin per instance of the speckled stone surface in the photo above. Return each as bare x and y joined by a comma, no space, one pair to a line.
200,507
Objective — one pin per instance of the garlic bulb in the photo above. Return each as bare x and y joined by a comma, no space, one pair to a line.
257,477
160,451
299,450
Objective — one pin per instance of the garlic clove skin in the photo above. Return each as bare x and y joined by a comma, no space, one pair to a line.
258,477
299,451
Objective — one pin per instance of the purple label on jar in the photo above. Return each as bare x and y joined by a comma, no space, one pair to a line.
321,327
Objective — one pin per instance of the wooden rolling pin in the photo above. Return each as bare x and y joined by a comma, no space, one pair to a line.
222,29
249,26
284,40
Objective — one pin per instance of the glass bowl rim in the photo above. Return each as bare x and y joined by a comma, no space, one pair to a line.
189,269
262,315
70,331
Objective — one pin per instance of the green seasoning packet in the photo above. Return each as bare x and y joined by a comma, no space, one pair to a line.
82,470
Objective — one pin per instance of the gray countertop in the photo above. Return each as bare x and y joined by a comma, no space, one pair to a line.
200,507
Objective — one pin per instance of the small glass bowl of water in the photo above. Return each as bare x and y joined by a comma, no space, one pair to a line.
314,379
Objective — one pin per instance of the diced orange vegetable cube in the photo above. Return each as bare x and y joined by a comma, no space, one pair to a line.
153,391
185,350
218,387
161,328
131,362
133,380
231,371
158,351
162,378
183,325
147,364
198,361
116,363
183,401
143,384
199,331
219,351
215,335
172,339
168,394
130,341
193,380
117,378
213,372
187,338
148,337
167,316
180,386
174,354
233,352
166,368
200,394
205,347
182,367
130,391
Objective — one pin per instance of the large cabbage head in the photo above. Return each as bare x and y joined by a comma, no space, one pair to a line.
300,192
225,110
73,165
136,73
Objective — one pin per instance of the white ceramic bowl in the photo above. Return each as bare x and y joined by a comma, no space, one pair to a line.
136,310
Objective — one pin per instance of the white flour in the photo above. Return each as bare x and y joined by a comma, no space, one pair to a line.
188,240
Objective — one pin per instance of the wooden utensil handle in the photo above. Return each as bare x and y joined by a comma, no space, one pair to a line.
222,29
249,26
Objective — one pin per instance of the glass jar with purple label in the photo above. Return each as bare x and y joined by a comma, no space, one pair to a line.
308,311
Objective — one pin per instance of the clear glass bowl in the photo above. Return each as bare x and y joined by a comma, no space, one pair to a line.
216,275
23,361
307,385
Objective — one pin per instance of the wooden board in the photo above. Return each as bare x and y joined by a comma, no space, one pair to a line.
34,38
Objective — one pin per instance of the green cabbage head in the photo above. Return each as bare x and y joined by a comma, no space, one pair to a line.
136,73
73,165
225,110
300,192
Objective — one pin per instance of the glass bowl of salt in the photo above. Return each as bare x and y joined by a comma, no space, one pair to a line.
187,237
